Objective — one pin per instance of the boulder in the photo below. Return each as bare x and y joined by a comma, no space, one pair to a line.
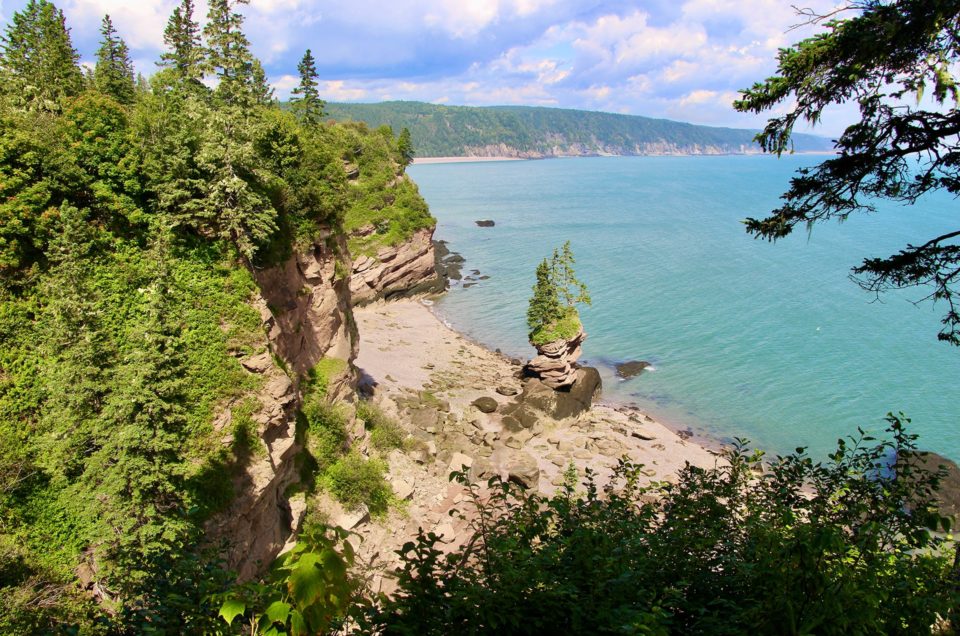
521,468
485,404
563,403
947,496
633,368
507,390
485,223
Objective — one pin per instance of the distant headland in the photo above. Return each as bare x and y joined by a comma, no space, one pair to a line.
523,132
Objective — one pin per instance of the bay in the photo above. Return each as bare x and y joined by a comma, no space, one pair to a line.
770,342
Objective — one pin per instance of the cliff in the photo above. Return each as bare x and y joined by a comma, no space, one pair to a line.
305,307
409,267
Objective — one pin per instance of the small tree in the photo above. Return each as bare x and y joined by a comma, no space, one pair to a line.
306,102
113,74
405,146
552,313
184,53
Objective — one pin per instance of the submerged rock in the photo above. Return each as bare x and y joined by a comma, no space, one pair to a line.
633,368
485,223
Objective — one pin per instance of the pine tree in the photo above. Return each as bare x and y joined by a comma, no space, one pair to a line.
545,307
306,102
185,53
405,146
259,86
229,54
38,61
571,290
113,74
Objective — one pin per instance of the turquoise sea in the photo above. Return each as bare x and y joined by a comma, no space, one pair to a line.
771,342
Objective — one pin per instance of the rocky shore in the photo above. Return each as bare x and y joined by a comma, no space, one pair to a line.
461,405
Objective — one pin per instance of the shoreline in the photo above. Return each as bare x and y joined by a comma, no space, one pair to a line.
418,161
406,346
422,161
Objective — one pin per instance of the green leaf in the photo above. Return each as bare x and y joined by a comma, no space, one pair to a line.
297,623
278,612
232,608
306,583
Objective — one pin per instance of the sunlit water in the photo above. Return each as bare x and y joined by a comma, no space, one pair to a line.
771,342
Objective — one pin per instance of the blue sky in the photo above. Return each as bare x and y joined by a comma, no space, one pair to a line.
680,59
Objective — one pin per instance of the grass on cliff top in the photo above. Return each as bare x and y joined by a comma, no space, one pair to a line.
563,329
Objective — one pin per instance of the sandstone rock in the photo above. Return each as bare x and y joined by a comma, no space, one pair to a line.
353,518
627,370
485,404
554,363
424,418
513,442
459,460
396,270
564,403
402,489
521,468
507,390
258,363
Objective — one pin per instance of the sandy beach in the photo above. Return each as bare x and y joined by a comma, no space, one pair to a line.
426,160
427,376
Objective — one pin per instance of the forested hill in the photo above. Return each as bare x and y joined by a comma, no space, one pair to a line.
533,132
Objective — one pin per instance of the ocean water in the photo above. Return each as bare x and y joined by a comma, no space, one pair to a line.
770,342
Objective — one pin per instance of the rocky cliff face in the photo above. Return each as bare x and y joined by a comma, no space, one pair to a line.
306,310
394,270
555,363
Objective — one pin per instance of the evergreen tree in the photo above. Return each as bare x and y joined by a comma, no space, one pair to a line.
229,53
259,86
185,53
405,146
545,307
570,289
38,61
306,102
113,74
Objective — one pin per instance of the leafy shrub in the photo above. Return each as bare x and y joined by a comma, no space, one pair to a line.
355,481
832,548
385,432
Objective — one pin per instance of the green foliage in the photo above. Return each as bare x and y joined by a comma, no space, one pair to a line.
113,74
355,480
306,102
830,548
184,51
882,58
405,146
39,63
552,314
385,433
308,590
456,131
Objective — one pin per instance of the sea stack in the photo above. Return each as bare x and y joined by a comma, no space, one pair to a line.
555,363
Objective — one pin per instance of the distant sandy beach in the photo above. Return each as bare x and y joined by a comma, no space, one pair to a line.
425,160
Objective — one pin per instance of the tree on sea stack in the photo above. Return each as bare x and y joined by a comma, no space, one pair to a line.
553,319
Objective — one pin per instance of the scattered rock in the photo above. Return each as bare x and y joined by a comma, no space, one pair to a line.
627,370
402,489
522,468
459,460
485,404
507,390
353,518
642,436
258,363
485,223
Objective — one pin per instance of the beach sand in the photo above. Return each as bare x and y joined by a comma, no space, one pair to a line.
426,160
426,376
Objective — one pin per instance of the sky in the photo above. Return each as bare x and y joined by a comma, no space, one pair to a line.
676,59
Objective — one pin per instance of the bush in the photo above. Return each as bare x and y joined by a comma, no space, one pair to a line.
355,481
830,548
385,433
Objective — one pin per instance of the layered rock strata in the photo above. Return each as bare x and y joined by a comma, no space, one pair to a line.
555,363
306,311
396,270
